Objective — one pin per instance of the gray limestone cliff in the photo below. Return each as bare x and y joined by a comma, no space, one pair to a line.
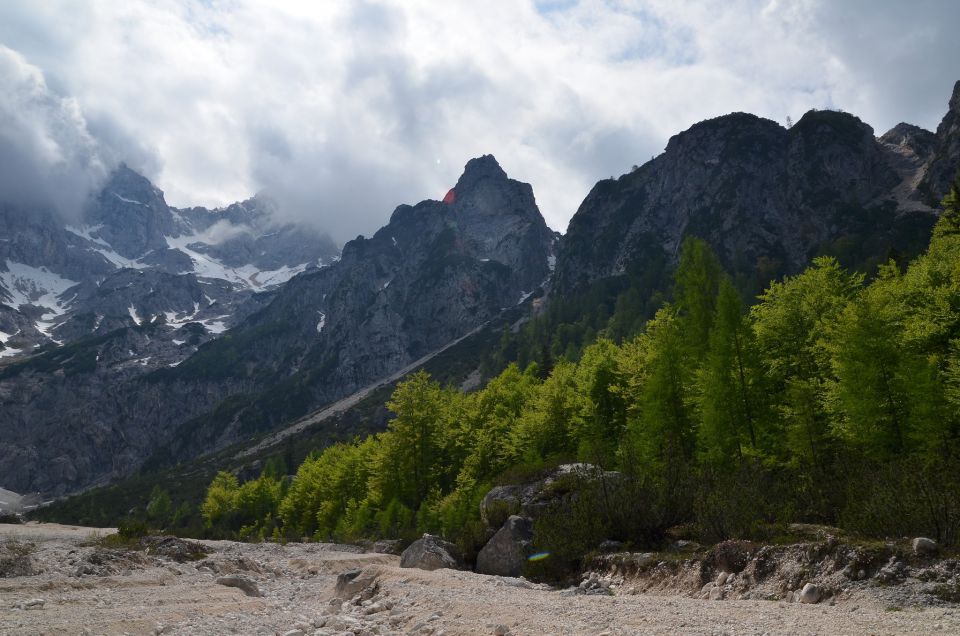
767,198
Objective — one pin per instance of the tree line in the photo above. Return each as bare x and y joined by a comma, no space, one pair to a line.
831,399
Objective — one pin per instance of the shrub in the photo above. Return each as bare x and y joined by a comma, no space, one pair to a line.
16,559
905,498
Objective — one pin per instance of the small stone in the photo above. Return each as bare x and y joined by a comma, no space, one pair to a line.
501,630
721,578
810,594
243,583
34,603
294,632
923,546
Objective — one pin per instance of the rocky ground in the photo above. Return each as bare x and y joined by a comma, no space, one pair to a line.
68,580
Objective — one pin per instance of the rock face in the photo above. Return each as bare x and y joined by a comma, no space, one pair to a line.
435,272
57,277
533,498
945,158
102,301
507,551
766,198
431,553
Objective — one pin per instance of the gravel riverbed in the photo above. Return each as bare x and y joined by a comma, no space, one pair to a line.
73,585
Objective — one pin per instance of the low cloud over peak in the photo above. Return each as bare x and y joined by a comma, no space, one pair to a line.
342,110
49,157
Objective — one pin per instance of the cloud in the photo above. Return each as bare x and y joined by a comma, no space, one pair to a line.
341,110
49,158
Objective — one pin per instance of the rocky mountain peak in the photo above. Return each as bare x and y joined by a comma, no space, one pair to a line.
832,127
757,192
130,186
950,125
904,134
477,170
946,155
910,140
710,135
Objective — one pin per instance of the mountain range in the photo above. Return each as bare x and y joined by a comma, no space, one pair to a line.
147,335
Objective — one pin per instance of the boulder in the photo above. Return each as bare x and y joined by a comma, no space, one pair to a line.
731,555
810,594
388,546
180,550
532,498
356,581
244,583
923,546
502,501
507,551
432,553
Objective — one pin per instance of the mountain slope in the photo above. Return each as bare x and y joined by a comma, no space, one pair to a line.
434,273
766,198
56,277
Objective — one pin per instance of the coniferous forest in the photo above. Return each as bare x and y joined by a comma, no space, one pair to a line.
831,399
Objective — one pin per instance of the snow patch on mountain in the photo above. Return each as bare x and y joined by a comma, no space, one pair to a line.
178,320
38,286
249,276
126,200
102,247
215,325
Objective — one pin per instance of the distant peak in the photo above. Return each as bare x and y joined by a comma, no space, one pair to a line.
955,98
904,134
485,167
127,183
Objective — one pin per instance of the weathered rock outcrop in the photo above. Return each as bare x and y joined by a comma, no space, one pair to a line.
533,498
766,198
432,553
507,551
945,159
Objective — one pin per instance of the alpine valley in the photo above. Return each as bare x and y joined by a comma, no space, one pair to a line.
141,337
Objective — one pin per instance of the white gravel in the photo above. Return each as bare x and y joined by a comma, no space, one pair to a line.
151,595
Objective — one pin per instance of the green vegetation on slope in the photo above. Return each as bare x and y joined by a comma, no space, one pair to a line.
830,400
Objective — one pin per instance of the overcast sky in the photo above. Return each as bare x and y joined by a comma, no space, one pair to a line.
344,109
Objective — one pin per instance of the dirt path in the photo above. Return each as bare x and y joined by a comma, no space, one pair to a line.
134,593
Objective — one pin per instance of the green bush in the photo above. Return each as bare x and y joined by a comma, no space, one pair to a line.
903,499
589,511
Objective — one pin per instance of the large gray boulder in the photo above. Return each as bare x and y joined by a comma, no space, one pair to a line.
531,499
507,551
432,553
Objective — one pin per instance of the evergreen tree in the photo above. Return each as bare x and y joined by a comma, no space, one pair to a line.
790,324
949,223
660,430
728,406
412,451
695,290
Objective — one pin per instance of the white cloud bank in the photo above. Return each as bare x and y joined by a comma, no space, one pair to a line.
343,109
